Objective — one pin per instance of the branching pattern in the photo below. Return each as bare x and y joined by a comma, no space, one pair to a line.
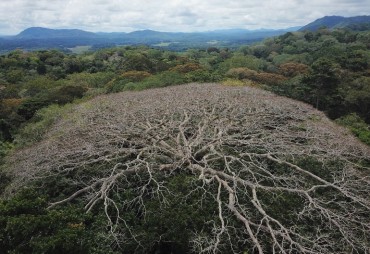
283,177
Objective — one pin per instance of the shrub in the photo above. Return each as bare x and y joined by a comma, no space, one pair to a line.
38,85
15,76
5,147
244,82
239,60
202,76
91,80
187,67
137,62
357,126
117,86
66,94
262,77
135,76
163,79
28,107
241,73
269,78
9,105
44,118
292,69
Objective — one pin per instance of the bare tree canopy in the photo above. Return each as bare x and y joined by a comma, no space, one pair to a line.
279,176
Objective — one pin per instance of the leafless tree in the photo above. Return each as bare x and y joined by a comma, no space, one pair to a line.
250,150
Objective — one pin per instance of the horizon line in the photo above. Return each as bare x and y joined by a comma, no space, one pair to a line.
161,31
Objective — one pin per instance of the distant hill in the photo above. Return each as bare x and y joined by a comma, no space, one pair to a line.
332,22
46,33
35,38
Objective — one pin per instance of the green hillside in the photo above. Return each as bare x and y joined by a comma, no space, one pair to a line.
359,23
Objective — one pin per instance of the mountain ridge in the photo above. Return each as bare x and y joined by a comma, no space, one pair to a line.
36,38
42,32
333,22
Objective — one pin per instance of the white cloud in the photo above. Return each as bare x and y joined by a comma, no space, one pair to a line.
170,15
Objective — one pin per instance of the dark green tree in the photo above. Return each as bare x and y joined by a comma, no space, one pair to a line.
322,81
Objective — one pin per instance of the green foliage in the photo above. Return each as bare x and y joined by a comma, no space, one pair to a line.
260,77
357,126
137,62
241,73
202,76
234,82
66,94
61,95
328,69
323,80
44,118
357,96
357,60
37,86
27,226
10,91
166,225
5,148
135,76
294,88
167,78
238,60
185,68
280,59
292,69
117,85
72,65
279,204
28,107
90,80
14,76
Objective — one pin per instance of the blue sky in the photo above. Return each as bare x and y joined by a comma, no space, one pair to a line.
166,15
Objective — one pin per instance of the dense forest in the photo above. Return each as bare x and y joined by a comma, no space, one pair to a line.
44,212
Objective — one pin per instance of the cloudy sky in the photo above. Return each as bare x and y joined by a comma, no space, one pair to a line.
170,15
